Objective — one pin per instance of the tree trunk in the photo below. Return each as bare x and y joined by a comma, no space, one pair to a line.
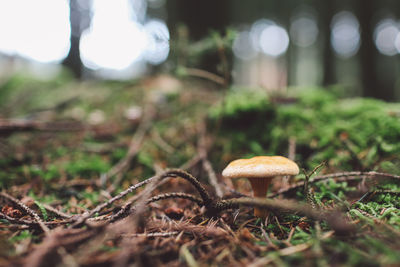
328,60
79,20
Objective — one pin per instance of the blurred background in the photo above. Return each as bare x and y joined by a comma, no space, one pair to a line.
270,44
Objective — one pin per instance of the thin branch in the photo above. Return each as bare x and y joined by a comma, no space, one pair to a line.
134,146
103,205
223,58
205,74
334,218
210,230
10,126
137,220
190,197
202,148
127,208
56,211
340,176
29,211
190,163
43,255
169,173
309,196
123,212
156,234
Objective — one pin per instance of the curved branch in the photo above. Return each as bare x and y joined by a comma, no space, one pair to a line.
334,218
169,173
343,175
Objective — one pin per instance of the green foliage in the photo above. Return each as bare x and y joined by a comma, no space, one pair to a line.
325,128
246,119
42,210
300,236
86,166
118,154
21,236
196,54
30,93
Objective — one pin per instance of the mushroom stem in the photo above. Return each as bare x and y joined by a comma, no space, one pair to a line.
260,188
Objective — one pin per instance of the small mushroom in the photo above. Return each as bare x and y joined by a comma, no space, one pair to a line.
260,171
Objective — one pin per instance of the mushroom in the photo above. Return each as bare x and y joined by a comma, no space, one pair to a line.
260,171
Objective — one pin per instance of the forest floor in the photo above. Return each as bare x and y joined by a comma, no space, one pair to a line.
90,173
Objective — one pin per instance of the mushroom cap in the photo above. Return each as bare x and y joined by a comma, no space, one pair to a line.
260,167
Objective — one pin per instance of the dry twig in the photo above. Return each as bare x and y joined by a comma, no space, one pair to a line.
340,176
202,148
134,146
205,74
29,211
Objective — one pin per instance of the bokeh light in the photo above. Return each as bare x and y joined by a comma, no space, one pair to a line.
113,40
255,32
385,35
158,41
37,30
265,36
243,47
345,34
304,30
274,40
116,41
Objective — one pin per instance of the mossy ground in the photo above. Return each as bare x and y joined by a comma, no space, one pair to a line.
64,168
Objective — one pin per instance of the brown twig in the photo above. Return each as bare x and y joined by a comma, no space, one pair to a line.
340,176
9,126
135,222
307,192
56,211
127,208
222,57
190,197
169,173
44,253
210,230
206,75
134,146
156,234
29,211
127,205
202,150
334,218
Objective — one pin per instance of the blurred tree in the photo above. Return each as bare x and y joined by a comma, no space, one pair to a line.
365,10
204,20
327,11
378,72
199,16
79,20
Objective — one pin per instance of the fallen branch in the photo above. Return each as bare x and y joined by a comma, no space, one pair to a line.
9,126
334,218
210,230
134,146
340,176
26,209
202,148
205,74
70,238
169,173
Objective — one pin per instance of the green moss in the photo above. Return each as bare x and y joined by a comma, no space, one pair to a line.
300,237
325,128
21,236
86,166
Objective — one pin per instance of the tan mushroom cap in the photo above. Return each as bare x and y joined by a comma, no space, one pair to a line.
260,167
